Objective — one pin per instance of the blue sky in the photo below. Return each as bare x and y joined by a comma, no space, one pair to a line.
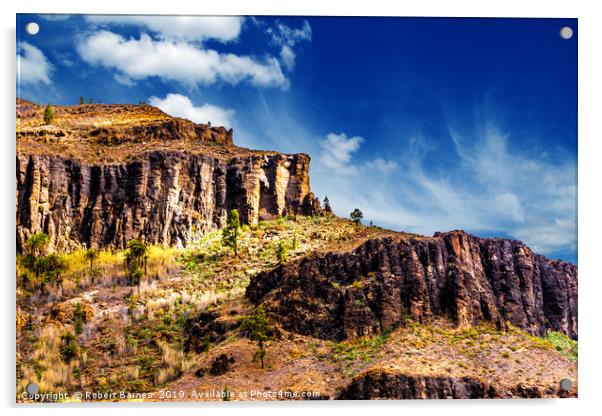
425,124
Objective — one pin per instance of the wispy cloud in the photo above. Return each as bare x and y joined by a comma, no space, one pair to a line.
381,165
179,61
337,152
485,187
32,65
190,28
179,105
286,37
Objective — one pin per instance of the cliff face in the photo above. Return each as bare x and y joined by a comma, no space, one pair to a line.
385,281
165,197
104,174
386,385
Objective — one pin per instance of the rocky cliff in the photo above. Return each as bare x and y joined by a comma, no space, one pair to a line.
101,175
386,281
399,386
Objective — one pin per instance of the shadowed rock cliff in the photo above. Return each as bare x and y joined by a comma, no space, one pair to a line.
386,281
387,385
112,173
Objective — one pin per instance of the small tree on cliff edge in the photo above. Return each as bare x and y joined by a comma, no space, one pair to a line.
257,326
230,233
357,216
48,114
327,206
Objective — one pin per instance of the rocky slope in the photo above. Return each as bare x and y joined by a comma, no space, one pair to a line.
104,174
410,316
385,282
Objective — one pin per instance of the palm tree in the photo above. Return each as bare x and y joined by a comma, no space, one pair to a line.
91,255
36,244
50,269
135,256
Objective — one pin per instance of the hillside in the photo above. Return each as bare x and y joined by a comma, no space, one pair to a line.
352,311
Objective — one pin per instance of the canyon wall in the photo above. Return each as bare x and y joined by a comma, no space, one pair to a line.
384,282
162,196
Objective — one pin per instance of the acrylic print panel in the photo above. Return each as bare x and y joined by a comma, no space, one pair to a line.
171,246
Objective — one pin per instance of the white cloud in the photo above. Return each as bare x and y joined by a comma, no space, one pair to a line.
531,196
337,151
287,37
191,28
287,56
481,182
177,61
56,17
124,80
337,154
178,105
381,165
32,65
484,187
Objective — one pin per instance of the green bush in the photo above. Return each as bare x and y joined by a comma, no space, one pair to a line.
48,114
563,344
231,232
69,347
281,252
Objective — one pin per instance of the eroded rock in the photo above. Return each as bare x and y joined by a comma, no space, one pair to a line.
385,281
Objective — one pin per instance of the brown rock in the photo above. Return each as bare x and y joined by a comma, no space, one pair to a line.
221,365
385,385
455,275
164,197
381,384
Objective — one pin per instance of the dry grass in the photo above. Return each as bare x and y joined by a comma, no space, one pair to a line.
45,365
175,363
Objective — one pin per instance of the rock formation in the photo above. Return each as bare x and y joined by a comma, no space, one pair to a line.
168,180
391,385
385,281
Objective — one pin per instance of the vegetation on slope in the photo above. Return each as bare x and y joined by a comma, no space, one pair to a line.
99,331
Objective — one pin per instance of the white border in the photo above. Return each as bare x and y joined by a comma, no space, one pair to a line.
590,162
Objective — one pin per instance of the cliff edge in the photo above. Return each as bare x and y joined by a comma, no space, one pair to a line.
102,174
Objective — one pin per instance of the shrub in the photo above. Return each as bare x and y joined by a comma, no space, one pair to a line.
281,252
230,233
78,317
48,114
357,284
69,348
563,344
